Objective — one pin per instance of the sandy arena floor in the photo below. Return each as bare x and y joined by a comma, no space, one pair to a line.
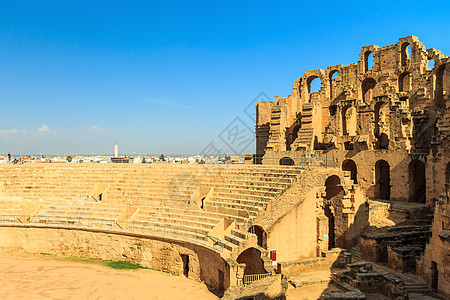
42,277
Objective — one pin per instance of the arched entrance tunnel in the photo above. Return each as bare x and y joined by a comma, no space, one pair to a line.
252,260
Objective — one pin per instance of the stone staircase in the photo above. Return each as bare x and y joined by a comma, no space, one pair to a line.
400,245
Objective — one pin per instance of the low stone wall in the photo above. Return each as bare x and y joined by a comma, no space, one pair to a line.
333,258
151,252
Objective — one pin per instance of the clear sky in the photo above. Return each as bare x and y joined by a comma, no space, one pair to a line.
172,77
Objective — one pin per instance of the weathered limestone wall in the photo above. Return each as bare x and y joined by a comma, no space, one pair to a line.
154,253
295,216
294,236
366,113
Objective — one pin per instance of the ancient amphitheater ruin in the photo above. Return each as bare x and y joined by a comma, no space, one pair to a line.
355,175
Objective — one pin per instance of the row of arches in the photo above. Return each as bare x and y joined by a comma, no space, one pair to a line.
416,179
405,57
314,83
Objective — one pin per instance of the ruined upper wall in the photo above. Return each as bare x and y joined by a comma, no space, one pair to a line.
380,94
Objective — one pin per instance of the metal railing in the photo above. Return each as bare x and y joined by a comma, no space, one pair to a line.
255,277
138,227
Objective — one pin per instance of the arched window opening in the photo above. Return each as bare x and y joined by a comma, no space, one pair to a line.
333,77
417,181
368,61
252,260
382,180
406,54
430,64
332,186
350,165
314,84
292,135
368,86
441,87
260,234
349,120
286,161
404,82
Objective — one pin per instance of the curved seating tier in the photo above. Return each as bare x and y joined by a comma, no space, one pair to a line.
178,200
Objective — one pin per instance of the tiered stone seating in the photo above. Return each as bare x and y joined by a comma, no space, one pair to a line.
162,194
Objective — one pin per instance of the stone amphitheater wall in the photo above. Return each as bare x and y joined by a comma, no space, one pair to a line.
151,252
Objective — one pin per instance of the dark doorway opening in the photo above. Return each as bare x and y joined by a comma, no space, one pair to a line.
331,234
185,260
286,161
447,174
434,276
332,188
382,180
350,165
417,181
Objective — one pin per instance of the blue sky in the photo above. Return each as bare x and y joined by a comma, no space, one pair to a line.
169,77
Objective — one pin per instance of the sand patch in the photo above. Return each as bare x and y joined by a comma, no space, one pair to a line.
44,277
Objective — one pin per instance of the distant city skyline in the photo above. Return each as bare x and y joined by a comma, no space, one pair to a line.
175,77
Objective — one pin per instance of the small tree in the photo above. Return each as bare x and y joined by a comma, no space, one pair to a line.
161,157
143,160
69,158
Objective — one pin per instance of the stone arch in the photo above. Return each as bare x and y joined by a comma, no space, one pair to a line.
440,87
382,180
368,61
286,161
350,165
309,82
417,181
261,234
405,53
367,87
254,264
404,82
331,78
349,120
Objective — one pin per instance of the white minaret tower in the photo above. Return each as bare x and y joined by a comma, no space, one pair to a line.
116,150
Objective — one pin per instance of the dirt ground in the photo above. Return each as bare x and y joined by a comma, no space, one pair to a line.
43,277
